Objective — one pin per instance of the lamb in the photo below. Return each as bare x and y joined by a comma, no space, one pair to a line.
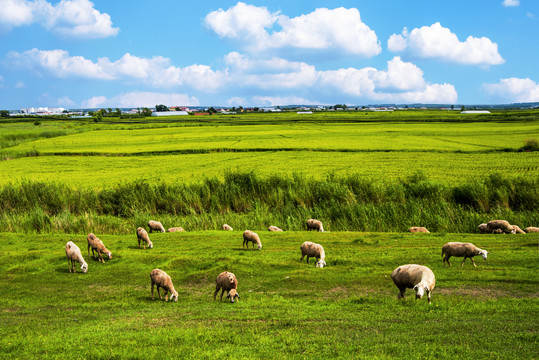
418,229
532,229
155,225
274,228
459,249
97,246
517,229
313,224
162,279
500,224
412,276
313,250
73,254
176,229
226,281
226,227
249,236
143,235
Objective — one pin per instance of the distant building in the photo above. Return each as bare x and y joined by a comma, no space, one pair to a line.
42,111
475,112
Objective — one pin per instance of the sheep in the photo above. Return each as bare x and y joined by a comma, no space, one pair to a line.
483,228
226,281
97,246
313,250
517,229
143,235
313,224
249,236
459,249
155,225
500,224
418,229
226,227
274,228
412,276
532,229
162,279
175,229
73,254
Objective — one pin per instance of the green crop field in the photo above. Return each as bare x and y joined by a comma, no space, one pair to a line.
288,309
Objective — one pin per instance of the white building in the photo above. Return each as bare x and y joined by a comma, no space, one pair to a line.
42,111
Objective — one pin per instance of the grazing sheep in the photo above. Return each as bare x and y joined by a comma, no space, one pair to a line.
97,246
249,236
73,254
176,229
418,229
143,235
412,276
313,224
226,227
274,228
313,250
483,228
517,229
459,249
226,281
155,225
532,229
500,224
162,279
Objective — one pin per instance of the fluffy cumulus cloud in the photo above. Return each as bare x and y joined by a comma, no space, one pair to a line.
322,30
508,3
68,18
140,99
513,90
438,42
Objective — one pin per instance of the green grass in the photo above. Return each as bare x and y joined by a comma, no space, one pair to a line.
287,309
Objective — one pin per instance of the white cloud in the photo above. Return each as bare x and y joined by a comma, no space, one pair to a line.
507,3
281,100
438,42
20,85
323,30
236,101
65,102
68,18
140,99
513,90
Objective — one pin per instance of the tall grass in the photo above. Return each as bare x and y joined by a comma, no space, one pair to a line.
244,199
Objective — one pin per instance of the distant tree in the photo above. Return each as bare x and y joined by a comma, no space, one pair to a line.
211,110
4,113
256,109
118,112
462,108
109,110
452,107
161,107
146,112
98,116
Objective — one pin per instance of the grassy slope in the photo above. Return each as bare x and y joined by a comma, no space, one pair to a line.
348,309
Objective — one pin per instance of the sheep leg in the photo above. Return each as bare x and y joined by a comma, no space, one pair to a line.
222,292
166,295
428,296
160,298
462,265
401,293
243,245
302,256
89,249
217,288
307,259
473,262
69,264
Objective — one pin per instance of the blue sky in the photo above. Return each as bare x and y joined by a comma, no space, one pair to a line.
129,53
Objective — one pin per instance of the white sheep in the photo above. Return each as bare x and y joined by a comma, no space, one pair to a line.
155,225
313,250
466,250
313,224
97,245
412,276
73,254
176,229
418,229
162,279
226,281
226,227
532,229
142,235
517,229
274,228
494,226
250,236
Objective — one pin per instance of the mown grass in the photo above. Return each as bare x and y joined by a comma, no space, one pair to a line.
287,309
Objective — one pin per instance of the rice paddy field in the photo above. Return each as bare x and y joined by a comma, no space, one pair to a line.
368,176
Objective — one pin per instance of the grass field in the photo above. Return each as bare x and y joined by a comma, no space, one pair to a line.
287,309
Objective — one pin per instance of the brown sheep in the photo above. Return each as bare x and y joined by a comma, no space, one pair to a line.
142,235
532,229
250,236
418,229
412,276
97,246
155,225
313,224
503,225
73,254
313,250
176,229
466,250
274,228
162,279
226,281
226,227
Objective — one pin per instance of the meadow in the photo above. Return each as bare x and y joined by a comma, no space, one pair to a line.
287,309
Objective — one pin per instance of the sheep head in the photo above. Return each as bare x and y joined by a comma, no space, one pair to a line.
419,290
320,263
109,255
232,294
84,267
259,246
483,254
150,245
174,296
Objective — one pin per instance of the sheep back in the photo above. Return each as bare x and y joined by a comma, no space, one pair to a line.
274,228
155,225
176,229
502,225
418,229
